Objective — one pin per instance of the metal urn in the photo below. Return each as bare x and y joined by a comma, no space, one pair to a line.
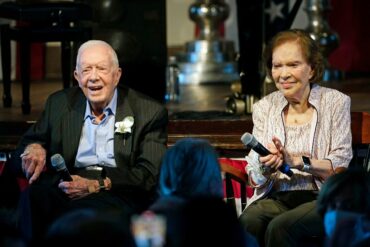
209,58
321,32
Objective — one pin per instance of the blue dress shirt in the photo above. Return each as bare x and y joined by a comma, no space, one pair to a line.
97,140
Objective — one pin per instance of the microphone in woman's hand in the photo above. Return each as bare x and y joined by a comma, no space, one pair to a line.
250,141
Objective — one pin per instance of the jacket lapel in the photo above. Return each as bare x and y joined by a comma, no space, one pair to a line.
123,143
72,126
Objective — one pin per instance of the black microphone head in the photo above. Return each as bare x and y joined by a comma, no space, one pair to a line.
57,161
249,140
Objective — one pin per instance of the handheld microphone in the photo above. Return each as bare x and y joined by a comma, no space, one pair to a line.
250,141
59,164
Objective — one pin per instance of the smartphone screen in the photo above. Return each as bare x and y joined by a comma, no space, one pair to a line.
149,229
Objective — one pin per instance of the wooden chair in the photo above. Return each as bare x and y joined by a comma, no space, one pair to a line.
232,175
41,22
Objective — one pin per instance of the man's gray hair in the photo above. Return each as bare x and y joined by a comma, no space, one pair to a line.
91,43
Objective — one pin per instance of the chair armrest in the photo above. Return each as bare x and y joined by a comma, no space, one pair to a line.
237,174
233,176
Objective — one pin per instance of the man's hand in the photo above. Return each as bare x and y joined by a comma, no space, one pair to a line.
33,161
79,187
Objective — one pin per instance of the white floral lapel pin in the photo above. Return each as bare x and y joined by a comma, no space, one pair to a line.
125,126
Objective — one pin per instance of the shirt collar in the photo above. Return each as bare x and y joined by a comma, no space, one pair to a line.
313,98
110,109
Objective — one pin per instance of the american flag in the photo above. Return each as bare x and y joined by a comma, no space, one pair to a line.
258,21
275,14
278,16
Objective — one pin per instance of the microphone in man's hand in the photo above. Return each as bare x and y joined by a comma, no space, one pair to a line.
250,141
59,164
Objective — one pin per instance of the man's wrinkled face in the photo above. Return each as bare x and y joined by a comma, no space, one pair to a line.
97,75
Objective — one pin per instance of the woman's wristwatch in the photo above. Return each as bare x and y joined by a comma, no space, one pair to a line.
306,164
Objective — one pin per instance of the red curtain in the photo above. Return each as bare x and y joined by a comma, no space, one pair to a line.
351,20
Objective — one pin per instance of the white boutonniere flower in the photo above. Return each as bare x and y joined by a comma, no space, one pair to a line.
124,126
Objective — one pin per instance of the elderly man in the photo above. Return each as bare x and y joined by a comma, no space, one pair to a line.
111,140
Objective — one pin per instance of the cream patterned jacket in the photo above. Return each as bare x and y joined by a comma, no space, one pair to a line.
330,136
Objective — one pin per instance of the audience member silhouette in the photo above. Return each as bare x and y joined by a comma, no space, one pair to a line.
10,236
89,227
209,221
190,171
190,168
344,204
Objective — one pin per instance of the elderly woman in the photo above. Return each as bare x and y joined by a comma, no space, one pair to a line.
303,125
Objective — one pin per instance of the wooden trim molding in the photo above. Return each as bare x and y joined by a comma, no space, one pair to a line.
224,135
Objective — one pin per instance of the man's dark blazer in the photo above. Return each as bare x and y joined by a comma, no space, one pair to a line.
138,155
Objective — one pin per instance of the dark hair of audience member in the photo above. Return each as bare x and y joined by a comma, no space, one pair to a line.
209,221
10,236
89,227
190,168
347,191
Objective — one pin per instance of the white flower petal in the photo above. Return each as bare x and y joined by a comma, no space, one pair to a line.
125,125
128,121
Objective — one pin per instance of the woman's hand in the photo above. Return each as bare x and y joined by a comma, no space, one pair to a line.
79,187
33,161
273,160
292,161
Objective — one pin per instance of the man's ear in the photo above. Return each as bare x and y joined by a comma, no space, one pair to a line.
118,75
75,74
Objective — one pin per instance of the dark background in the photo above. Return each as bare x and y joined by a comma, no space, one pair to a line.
137,31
